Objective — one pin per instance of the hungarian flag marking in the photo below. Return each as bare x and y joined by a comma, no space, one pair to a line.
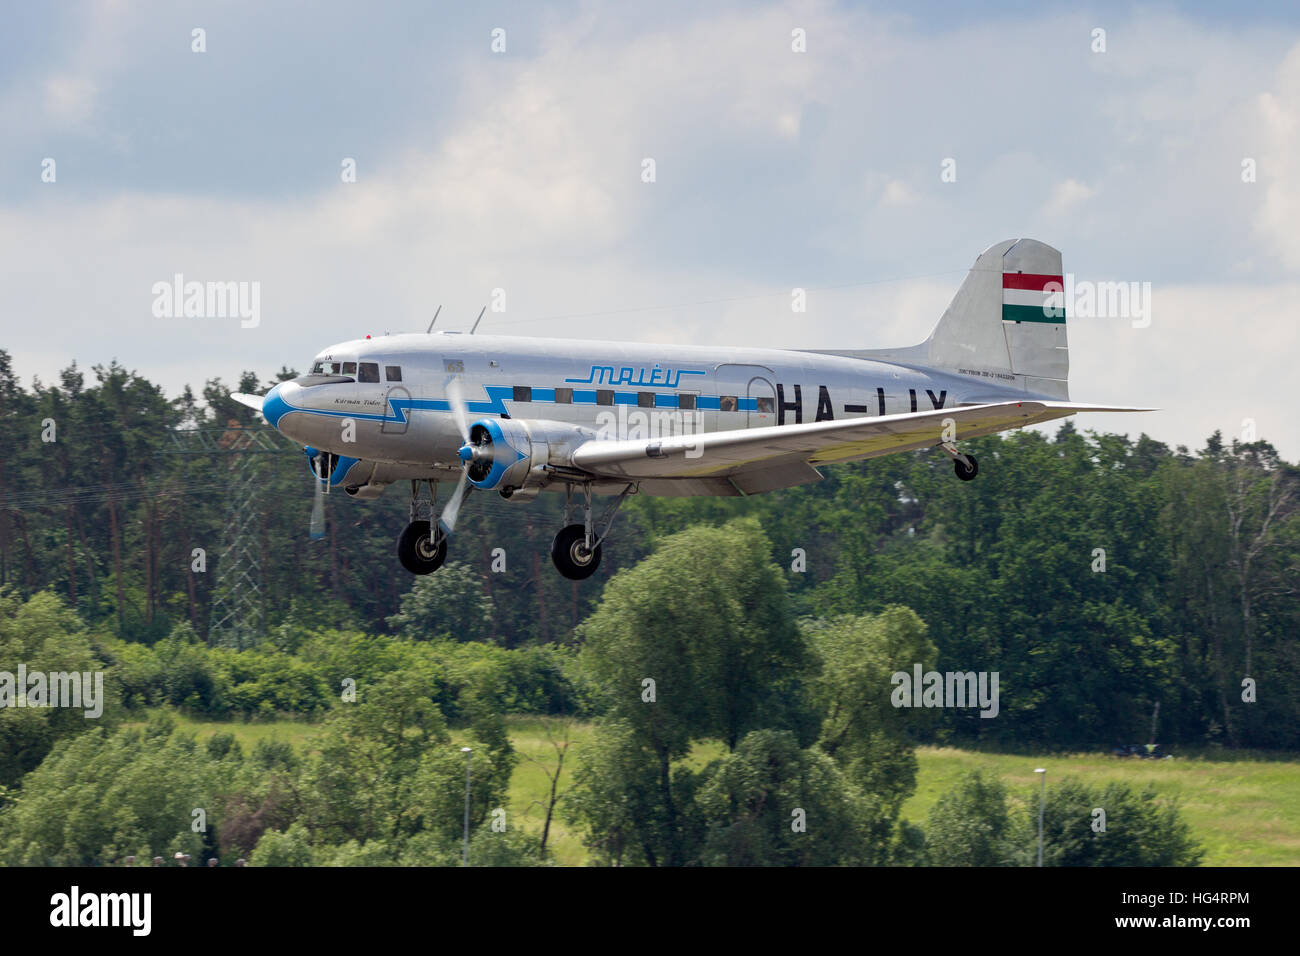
1027,297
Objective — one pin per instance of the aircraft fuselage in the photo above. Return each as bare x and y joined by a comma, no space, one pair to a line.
384,399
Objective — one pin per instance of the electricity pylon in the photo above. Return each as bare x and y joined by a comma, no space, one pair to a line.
236,618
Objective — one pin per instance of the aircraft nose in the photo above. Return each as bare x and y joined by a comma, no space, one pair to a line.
274,405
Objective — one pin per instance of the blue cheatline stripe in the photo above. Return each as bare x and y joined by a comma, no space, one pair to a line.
274,407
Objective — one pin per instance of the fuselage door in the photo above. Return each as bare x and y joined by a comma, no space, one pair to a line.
746,396
397,410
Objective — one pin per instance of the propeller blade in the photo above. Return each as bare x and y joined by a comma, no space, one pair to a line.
459,411
447,522
317,529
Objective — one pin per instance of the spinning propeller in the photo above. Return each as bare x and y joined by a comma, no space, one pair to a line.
469,454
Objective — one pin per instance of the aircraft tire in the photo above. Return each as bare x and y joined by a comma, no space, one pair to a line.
966,473
571,559
417,551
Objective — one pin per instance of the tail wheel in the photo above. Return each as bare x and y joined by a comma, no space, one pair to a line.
420,550
570,555
966,472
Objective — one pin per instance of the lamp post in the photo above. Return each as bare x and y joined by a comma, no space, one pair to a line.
1042,799
464,858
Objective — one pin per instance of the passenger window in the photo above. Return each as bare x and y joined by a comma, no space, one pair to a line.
349,368
686,400
368,372
393,373
727,403
765,403
645,399
604,396
564,396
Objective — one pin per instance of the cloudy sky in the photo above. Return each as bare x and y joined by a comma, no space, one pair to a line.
522,169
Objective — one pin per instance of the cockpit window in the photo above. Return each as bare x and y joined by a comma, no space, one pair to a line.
368,372
393,373
333,368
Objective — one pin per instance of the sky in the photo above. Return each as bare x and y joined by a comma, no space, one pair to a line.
869,168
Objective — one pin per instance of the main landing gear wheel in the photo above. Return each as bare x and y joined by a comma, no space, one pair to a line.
418,551
570,554
966,472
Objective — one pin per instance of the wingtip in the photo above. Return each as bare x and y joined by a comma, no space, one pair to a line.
253,402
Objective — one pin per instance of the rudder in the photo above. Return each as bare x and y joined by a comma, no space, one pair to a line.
1007,321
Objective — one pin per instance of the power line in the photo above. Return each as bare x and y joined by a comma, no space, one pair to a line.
726,299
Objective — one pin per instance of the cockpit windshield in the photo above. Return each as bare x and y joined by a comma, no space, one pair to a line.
329,372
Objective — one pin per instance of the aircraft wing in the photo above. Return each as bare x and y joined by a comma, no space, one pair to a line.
780,456
248,401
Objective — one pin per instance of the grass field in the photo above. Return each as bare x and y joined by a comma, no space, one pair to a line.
1244,811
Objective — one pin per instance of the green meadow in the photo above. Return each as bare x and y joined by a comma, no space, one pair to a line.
1244,810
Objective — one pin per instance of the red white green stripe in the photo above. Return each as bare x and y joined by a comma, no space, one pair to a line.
1025,298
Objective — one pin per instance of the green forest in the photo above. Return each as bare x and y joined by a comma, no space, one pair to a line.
731,661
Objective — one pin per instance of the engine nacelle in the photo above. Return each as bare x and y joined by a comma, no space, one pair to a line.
367,492
511,455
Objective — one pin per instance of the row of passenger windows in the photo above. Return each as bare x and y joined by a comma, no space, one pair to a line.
368,372
364,371
605,396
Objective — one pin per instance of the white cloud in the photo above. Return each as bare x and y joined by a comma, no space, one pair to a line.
897,194
1279,162
1067,195
69,99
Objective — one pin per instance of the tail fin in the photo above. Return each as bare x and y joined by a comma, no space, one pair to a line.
1007,321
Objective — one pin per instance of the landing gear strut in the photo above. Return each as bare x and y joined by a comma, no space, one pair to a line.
576,548
964,465
422,547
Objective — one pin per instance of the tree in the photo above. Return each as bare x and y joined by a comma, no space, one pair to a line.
861,730
47,637
970,825
772,803
448,605
558,735
697,641
1141,829
102,796
386,768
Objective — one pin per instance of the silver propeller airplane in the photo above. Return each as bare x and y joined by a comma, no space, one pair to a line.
520,415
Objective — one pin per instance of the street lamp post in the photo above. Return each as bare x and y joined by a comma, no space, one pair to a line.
1042,799
464,857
